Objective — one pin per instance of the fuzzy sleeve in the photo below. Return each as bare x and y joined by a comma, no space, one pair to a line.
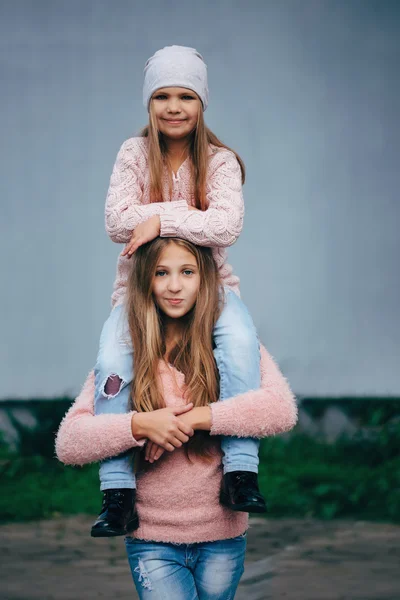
124,210
83,437
220,225
270,410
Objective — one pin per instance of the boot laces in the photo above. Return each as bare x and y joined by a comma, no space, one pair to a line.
113,498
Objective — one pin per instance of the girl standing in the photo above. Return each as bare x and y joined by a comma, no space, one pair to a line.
176,179
187,546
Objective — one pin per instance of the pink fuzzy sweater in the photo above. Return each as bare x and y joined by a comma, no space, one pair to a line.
178,500
128,204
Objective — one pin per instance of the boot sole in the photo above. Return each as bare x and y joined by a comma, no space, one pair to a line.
107,532
250,508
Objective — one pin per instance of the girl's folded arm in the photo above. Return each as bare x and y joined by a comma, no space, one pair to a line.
221,224
83,437
123,210
268,411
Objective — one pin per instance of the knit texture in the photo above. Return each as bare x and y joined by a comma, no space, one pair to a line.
128,205
178,500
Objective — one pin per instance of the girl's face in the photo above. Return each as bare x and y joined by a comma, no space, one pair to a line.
176,281
176,110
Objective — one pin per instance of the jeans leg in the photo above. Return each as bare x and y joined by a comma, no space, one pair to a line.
237,355
115,359
160,570
219,568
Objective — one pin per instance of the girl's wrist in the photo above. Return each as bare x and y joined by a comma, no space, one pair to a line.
157,220
137,425
202,418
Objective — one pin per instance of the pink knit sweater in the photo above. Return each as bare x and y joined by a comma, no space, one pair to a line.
178,500
128,204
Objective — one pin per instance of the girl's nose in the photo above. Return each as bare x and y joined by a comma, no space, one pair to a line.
173,105
174,284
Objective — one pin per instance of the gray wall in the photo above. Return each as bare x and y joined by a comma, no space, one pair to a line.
307,91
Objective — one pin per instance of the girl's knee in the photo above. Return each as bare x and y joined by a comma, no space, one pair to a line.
113,385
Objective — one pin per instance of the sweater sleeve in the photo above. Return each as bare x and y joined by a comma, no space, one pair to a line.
84,437
221,223
264,412
124,210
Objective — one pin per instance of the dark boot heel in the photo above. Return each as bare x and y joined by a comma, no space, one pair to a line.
240,492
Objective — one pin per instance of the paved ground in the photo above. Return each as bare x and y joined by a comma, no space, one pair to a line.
286,559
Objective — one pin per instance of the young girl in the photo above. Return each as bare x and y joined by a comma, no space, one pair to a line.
188,546
177,179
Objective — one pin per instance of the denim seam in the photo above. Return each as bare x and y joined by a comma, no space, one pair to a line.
239,467
119,484
222,384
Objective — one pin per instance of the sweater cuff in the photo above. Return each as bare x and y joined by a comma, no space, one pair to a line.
221,418
126,433
168,218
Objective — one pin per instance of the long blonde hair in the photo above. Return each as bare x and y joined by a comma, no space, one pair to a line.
198,149
193,355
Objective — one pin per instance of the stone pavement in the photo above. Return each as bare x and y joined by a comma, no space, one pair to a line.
286,559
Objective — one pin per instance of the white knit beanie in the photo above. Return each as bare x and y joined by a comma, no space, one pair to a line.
175,66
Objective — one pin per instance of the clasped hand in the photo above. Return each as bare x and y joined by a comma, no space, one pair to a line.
163,429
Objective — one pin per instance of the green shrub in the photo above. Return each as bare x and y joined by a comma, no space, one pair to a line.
300,476
357,477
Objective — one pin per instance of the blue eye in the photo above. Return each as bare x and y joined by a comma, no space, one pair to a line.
160,273
188,272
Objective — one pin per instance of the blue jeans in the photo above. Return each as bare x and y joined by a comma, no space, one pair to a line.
237,354
200,571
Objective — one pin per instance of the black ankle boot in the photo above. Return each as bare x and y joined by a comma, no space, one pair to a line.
118,515
240,492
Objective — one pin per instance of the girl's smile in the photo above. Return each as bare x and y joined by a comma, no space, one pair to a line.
176,122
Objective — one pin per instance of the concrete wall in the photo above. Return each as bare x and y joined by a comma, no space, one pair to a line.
306,91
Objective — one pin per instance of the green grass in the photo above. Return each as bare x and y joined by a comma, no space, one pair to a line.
299,476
